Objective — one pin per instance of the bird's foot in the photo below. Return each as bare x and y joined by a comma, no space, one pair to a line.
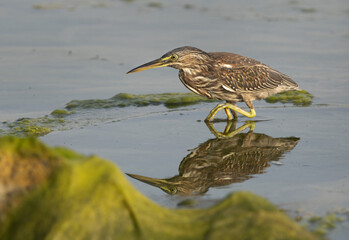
227,107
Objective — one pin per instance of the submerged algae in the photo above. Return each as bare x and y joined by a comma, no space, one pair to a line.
322,225
58,118
39,126
33,126
170,100
86,197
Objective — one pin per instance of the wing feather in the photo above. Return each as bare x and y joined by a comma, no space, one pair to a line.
247,74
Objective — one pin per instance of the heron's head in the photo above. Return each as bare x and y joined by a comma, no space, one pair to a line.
183,57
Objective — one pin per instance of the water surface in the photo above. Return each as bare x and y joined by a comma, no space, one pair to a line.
53,54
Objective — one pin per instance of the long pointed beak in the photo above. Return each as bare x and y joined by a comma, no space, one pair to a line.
151,181
153,64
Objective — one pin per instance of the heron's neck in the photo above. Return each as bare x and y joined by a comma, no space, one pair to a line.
191,71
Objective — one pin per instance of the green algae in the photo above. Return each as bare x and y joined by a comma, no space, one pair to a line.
170,100
86,197
308,10
39,126
31,126
60,113
155,5
48,6
322,225
24,163
173,100
59,118
296,97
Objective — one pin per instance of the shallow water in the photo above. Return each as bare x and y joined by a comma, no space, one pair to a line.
82,50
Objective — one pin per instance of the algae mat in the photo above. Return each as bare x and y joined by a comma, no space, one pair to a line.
86,197
73,114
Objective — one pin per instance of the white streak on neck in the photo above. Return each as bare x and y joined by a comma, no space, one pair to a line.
188,71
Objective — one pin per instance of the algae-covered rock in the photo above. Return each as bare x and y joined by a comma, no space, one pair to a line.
86,197
24,163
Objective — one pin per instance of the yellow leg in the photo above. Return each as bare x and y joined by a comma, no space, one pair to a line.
229,115
228,106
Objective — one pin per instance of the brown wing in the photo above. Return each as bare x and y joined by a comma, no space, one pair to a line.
247,74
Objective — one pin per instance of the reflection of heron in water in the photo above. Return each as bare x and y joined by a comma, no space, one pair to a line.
223,161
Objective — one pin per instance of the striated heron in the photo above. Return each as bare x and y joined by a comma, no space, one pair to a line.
223,76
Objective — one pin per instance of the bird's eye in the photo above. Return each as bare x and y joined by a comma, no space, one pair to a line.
174,57
172,190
